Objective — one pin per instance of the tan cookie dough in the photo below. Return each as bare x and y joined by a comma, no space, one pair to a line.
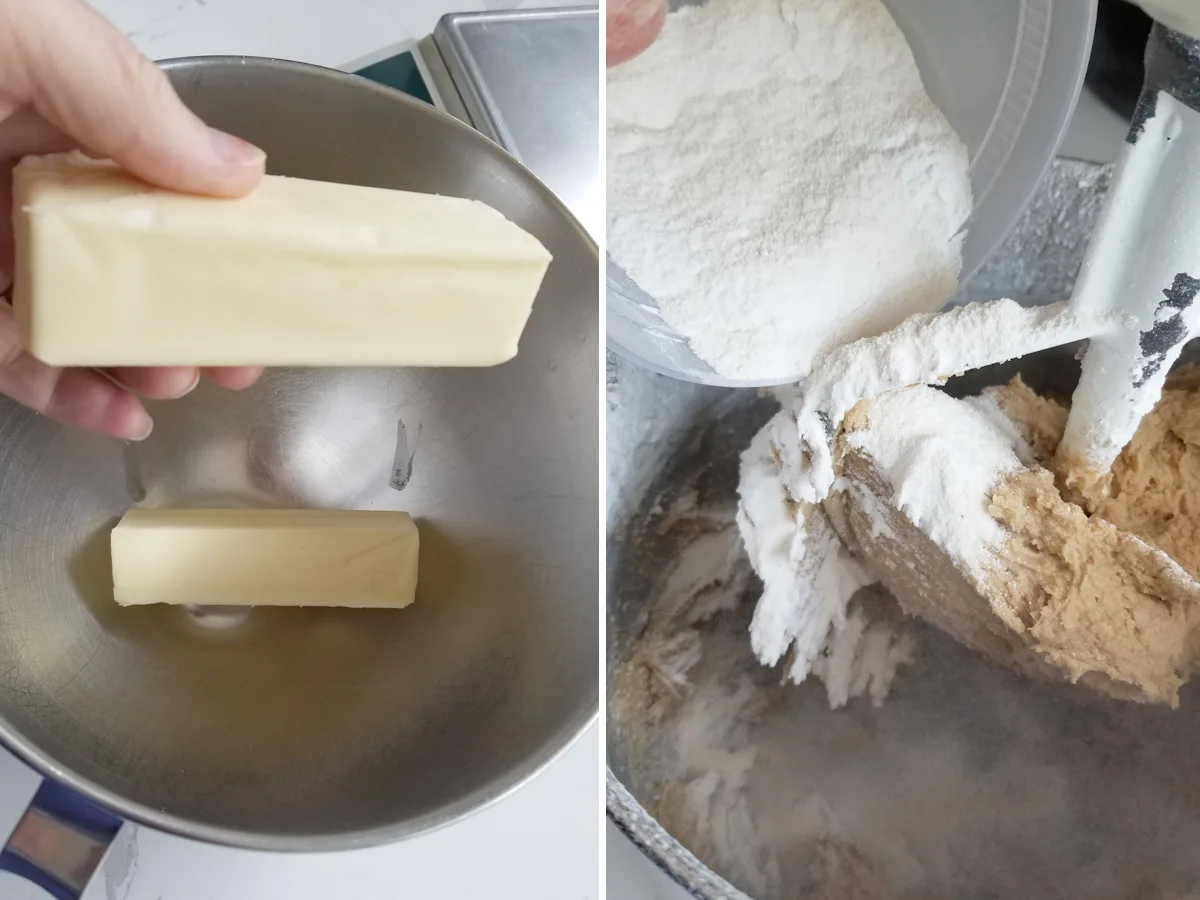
1108,600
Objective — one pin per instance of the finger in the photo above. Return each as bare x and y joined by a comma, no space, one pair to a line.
22,133
6,232
79,397
25,132
85,399
159,383
630,27
233,378
89,81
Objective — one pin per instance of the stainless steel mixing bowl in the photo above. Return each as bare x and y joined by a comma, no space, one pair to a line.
969,781
311,728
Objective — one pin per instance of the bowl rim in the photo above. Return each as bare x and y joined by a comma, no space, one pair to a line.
550,749
659,846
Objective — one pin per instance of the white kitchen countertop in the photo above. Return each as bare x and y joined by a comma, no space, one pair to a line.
542,842
631,875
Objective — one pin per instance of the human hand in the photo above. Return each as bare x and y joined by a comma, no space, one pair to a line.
69,80
630,27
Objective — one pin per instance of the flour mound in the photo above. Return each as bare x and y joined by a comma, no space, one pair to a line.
780,182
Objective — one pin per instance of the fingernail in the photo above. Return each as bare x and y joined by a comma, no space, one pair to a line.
113,378
145,433
191,387
234,150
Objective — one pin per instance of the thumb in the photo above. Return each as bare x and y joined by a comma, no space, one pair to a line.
630,26
89,81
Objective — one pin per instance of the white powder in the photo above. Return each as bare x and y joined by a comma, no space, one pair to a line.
876,509
779,181
708,577
861,658
808,576
808,580
925,349
942,456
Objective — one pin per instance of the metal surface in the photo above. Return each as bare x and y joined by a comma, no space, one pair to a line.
1113,812
530,80
450,100
310,728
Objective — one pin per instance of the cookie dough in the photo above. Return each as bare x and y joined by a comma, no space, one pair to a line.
1109,600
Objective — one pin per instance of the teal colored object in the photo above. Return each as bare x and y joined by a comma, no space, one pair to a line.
401,73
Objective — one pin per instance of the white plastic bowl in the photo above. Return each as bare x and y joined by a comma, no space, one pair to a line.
1006,73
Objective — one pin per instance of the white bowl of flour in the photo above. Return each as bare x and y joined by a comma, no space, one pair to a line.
787,175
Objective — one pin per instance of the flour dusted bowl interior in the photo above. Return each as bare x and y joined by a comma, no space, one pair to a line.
1006,74
968,780
321,728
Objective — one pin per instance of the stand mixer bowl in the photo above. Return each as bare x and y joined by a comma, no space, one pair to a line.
1089,797
318,729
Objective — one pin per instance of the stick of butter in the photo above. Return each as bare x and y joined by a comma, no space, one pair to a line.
113,272
265,557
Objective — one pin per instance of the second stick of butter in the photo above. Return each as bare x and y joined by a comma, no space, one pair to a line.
265,557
